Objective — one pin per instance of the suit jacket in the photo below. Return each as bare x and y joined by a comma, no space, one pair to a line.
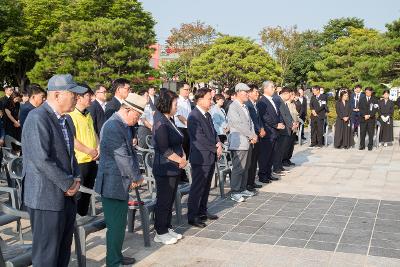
255,117
203,139
98,116
241,127
49,167
118,166
24,111
111,107
370,107
269,117
302,108
352,99
287,119
318,105
153,104
167,139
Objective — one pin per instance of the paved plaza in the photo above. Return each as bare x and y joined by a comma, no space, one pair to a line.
336,208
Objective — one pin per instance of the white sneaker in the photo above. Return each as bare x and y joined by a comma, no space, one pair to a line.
247,193
166,239
237,198
385,144
174,234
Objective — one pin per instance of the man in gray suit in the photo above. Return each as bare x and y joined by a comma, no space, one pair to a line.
118,173
241,135
51,173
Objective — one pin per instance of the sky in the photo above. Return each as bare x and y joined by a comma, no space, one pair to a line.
248,17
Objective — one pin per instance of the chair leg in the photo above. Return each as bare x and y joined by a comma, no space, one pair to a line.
80,246
144,214
19,228
178,207
221,184
131,220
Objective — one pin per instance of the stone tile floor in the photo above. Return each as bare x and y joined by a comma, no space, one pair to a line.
350,225
335,208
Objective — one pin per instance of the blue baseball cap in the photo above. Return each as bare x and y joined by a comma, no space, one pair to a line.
65,82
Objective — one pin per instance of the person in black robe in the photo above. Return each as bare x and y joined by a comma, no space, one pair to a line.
12,126
386,109
343,131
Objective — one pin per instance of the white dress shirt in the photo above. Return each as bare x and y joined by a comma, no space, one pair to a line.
272,102
183,109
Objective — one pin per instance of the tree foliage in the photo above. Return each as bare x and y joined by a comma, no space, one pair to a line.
234,59
336,28
282,44
365,56
28,25
189,41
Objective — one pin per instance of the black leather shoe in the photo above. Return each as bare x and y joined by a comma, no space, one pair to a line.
285,164
128,261
265,181
369,148
257,186
197,223
273,178
251,188
209,216
361,148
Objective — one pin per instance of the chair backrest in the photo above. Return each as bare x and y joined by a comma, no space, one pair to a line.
93,196
149,141
12,192
9,140
15,168
8,155
148,161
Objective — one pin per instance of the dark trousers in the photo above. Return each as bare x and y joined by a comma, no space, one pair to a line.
88,176
199,190
115,212
289,147
52,235
279,151
367,126
302,132
251,177
186,149
166,191
267,147
185,143
317,131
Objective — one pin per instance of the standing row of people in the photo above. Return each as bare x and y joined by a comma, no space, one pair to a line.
363,110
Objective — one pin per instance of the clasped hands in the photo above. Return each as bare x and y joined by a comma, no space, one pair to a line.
73,189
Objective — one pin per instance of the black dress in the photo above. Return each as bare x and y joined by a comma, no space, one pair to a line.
386,109
9,127
343,132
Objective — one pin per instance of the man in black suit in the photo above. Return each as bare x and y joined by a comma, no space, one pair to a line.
318,116
120,88
97,107
205,147
355,99
272,122
301,107
368,108
153,98
259,130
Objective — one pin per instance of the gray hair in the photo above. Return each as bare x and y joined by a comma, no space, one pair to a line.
267,83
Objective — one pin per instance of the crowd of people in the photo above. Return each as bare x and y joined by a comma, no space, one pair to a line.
73,136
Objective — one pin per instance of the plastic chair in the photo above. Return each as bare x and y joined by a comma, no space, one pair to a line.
16,254
183,189
149,141
146,207
14,168
223,170
86,225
